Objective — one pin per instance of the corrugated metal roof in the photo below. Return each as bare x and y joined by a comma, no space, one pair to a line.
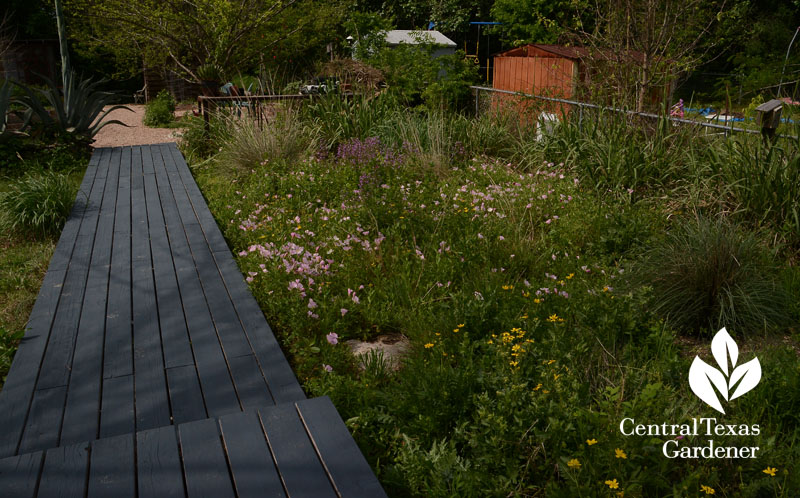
414,37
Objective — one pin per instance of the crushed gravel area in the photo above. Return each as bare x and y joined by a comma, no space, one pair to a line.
136,133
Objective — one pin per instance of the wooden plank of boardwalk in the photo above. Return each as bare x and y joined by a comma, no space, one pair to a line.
136,325
266,452
147,368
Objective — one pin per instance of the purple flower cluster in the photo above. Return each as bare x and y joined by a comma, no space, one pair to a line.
368,151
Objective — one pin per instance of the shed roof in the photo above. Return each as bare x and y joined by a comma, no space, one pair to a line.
415,37
562,51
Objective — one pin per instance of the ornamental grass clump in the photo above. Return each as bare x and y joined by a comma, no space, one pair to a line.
250,144
709,273
37,204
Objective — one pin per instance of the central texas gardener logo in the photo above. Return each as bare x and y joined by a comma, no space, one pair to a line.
731,381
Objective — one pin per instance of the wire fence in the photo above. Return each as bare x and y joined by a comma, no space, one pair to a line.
259,107
482,103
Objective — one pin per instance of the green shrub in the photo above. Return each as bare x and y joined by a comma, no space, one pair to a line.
161,110
37,204
450,90
709,273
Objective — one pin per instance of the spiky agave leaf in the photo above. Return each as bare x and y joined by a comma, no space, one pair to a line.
80,111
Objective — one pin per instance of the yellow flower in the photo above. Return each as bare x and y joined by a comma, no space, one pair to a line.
591,441
570,276
537,300
461,325
770,471
552,318
508,287
538,386
455,330
613,484
620,453
429,345
707,489
513,363
574,464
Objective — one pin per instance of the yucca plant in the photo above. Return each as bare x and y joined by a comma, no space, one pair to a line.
79,111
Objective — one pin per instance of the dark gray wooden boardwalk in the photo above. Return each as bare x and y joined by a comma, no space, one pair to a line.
148,368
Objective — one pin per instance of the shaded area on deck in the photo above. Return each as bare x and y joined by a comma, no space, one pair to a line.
144,328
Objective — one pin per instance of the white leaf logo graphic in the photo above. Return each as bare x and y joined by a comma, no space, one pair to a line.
704,378
750,373
723,347
701,377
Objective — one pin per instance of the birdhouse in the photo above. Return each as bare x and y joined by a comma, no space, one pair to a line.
768,114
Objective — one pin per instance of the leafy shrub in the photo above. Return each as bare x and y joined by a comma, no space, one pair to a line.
450,90
708,274
37,204
161,110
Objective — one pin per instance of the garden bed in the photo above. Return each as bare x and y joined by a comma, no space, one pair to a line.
509,274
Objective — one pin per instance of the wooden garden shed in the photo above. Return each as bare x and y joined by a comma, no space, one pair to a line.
563,72
539,69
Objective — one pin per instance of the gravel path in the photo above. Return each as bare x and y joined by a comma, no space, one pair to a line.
136,133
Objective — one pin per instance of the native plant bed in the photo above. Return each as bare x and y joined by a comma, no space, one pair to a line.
521,282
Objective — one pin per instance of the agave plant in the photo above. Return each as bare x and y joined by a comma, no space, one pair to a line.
5,105
79,112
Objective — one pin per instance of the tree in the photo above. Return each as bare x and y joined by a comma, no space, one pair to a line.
641,45
232,35
538,21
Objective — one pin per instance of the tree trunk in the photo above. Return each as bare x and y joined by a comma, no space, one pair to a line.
643,83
